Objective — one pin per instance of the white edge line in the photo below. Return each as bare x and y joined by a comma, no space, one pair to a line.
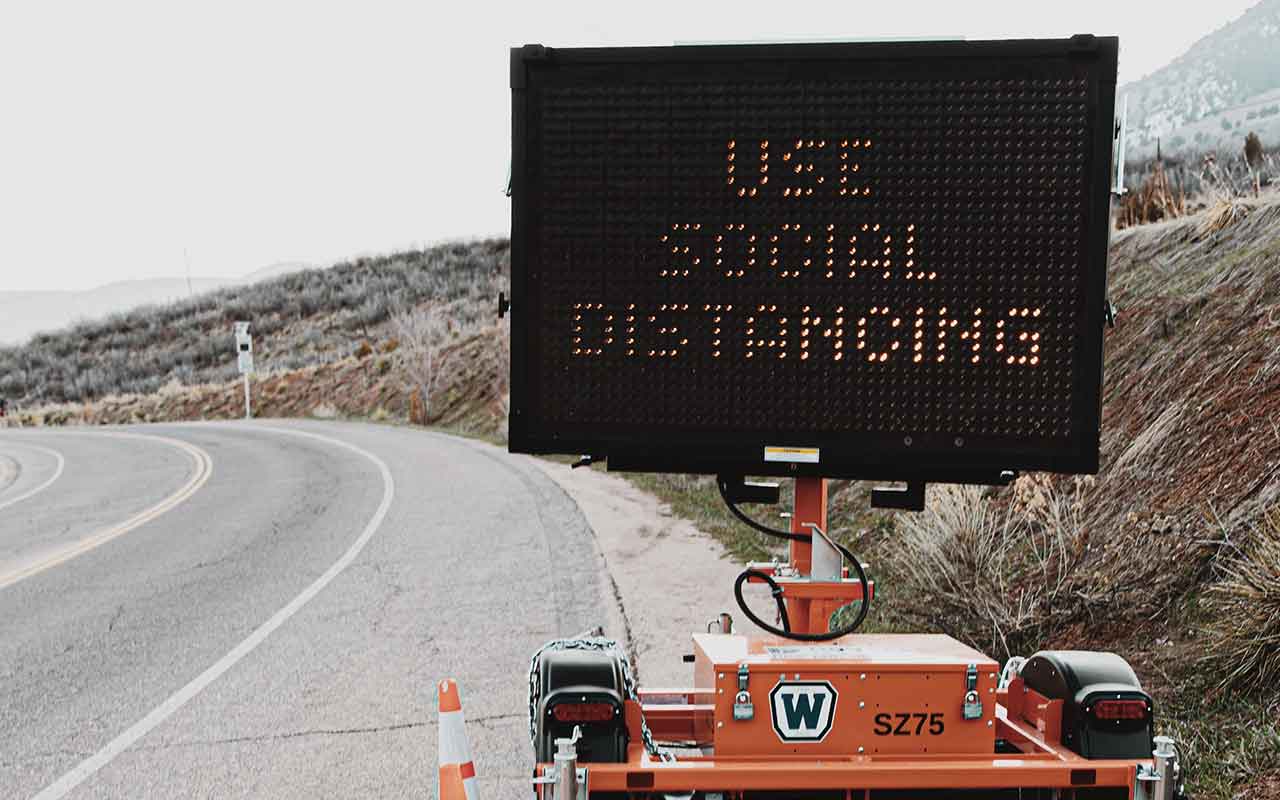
59,788
57,473
204,468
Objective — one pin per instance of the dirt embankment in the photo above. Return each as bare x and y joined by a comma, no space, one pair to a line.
1191,410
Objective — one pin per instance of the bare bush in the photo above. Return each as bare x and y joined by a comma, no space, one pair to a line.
1254,156
422,334
996,577
1246,625
1157,198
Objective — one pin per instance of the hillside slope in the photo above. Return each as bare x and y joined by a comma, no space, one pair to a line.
1226,85
1188,498
303,319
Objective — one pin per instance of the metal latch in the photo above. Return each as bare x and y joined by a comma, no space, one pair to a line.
742,708
566,780
1161,780
1167,770
972,702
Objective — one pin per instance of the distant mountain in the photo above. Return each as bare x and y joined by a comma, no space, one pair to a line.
278,270
25,313
1226,85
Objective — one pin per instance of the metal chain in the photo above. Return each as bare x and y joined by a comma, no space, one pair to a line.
598,644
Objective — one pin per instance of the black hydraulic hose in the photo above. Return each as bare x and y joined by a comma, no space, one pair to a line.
723,485
776,590
786,632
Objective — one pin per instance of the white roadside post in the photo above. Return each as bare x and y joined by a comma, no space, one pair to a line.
244,354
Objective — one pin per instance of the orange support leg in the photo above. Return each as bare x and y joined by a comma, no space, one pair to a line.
810,507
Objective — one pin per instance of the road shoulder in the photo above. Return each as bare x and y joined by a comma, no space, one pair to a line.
670,579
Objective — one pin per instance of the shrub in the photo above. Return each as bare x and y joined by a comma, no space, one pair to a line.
999,578
372,311
1246,625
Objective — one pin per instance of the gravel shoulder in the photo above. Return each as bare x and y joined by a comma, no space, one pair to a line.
669,578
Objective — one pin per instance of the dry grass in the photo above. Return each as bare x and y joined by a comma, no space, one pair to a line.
1246,604
1169,188
999,577
1137,455
1223,212
1231,742
1224,200
1155,199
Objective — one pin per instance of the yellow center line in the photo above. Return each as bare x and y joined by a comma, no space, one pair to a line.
203,469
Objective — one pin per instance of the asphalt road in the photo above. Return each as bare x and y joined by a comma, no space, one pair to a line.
262,610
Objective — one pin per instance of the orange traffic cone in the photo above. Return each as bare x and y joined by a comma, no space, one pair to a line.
457,772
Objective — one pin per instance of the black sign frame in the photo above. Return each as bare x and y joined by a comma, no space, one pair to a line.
887,456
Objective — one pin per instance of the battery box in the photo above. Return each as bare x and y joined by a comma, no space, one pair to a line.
869,694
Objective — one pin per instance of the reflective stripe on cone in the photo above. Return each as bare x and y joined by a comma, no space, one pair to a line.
457,770
452,784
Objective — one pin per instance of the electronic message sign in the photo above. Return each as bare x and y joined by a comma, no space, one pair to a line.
851,260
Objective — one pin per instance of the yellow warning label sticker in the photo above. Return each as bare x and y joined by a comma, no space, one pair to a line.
792,455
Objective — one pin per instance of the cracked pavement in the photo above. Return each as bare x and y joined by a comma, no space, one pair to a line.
480,559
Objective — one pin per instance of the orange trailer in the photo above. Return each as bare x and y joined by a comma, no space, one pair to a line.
909,717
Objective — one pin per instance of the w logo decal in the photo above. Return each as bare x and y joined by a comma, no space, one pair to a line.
803,710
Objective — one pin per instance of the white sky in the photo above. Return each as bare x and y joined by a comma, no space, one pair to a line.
252,133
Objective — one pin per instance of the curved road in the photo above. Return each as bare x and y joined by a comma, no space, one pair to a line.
272,608
27,470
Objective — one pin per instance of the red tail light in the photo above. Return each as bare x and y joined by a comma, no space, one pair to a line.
582,712
1120,709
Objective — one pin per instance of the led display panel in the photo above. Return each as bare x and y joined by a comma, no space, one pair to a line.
850,260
